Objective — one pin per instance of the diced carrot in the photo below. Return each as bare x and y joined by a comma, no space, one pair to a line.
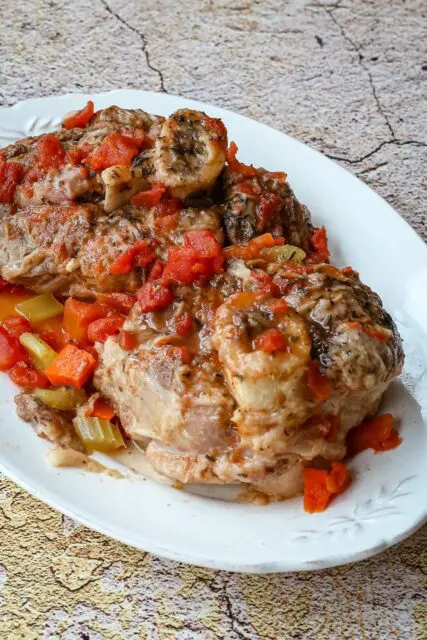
252,249
121,302
149,198
81,118
24,375
154,296
139,255
116,148
78,316
374,332
181,353
378,434
318,384
321,485
10,175
102,410
100,330
128,340
72,366
270,341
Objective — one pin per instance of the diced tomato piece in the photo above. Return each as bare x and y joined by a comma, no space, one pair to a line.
156,270
24,375
49,153
116,148
92,351
278,306
102,410
237,166
75,156
203,242
149,198
265,282
128,340
278,175
167,223
154,296
184,324
79,315
318,384
139,255
181,353
100,330
81,118
16,325
319,242
10,175
183,266
321,485
253,248
168,206
72,366
338,478
121,302
378,434
316,495
270,341
218,129
52,338
11,351
249,189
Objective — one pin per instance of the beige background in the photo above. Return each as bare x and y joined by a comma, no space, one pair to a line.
347,77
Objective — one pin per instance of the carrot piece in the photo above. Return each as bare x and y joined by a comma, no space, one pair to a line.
102,410
318,385
72,367
79,315
321,485
252,249
378,434
81,118
270,341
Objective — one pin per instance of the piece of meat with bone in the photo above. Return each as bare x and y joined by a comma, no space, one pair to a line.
241,397
263,203
188,155
87,164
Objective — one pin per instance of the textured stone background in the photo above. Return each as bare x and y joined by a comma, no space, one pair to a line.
349,78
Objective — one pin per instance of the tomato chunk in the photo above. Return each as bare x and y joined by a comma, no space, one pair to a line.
318,384
72,367
10,175
203,242
81,118
253,248
128,340
378,434
319,242
184,324
78,316
237,166
179,353
149,198
100,330
11,351
49,153
116,148
270,341
121,302
16,325
24,375
320,486
154,296
139,255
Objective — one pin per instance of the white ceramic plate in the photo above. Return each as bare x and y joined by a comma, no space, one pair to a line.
387,500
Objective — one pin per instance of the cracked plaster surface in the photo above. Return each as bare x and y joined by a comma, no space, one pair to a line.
348,78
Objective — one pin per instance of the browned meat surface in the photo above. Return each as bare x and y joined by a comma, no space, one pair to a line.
50,424
238,414
264,203
68,249
188,154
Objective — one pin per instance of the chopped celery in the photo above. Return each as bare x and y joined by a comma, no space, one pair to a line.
285,252
40,353
63,398
98,435
40,308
